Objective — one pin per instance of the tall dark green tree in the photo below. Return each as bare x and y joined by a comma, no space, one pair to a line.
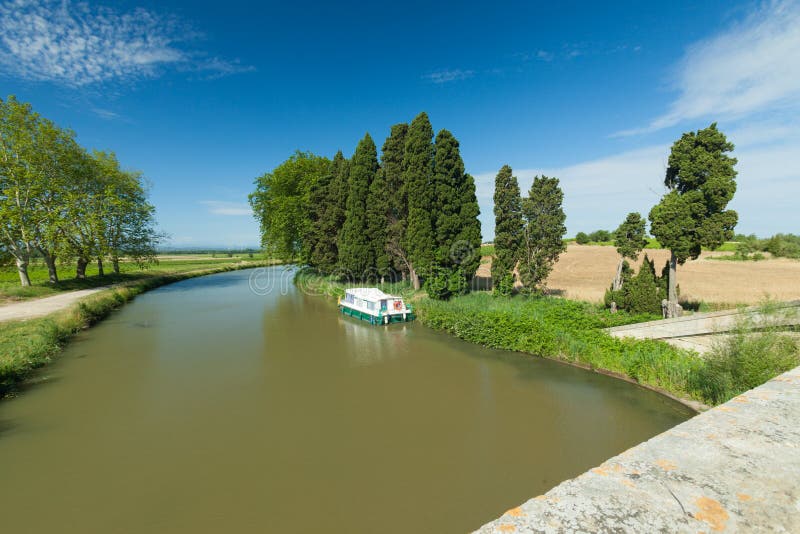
327,204
378,209
543,236
420,243
356,256
468,253
700,180
392,169
448,176
508,228
630,239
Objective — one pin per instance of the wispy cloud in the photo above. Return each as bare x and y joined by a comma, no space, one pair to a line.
218,207
448,75
748,68
75,44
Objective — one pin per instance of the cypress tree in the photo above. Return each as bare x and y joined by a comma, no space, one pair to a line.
507,229
317,250
355,251
377,223
448,175
700,180
392,169
469,236
543,236
327,202
417,174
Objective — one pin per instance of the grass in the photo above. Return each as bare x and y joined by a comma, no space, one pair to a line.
10,289
27,345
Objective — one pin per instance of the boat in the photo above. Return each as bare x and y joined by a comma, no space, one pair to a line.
373,305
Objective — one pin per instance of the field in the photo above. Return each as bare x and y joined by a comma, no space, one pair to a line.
584,272
11,291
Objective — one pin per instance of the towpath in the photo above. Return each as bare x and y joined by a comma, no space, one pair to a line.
31,309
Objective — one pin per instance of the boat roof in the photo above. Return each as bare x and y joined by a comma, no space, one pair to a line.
369,293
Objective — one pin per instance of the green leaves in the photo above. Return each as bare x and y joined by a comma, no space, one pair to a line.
280,203
702,180
630,238
508,223
543,233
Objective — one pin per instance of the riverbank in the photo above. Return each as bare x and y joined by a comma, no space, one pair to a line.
572,332
29,344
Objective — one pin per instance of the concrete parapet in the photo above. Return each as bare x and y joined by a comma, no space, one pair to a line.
734,468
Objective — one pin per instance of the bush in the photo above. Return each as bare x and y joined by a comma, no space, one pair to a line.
601,236
746,359
640,293
505,286
582,238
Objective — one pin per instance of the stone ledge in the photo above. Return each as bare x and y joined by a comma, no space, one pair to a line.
734,468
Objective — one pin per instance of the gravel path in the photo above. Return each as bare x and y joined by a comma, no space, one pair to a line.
31,309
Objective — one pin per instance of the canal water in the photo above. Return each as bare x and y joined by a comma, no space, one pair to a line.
234,403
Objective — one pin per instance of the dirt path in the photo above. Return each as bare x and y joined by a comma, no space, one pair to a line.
31,309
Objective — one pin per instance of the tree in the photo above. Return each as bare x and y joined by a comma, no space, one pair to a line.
20,185
543,235
356,255
600,236
582,238
378,210
448,175
280,203
327,205
417,173
468,254
392,168
700,180
630,239
508,227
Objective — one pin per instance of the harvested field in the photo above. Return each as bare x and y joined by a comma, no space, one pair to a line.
584,272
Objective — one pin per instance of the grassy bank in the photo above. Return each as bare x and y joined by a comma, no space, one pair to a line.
572,332
27,345
11,291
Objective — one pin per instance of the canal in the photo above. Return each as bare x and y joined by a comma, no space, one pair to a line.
208,406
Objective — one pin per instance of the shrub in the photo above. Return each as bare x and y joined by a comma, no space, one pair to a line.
505,286
600,236
582,238
640,293
744,360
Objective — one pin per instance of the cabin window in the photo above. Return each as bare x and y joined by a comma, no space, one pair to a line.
370,305
383,305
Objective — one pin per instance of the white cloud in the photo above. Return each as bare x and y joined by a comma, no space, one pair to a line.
448,75
76,44
218,207
751,67
598,193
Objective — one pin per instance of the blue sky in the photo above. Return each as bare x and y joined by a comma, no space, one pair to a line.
205,96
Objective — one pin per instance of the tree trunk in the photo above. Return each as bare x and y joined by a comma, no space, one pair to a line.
80,271
414,277
50,261
100,270
115,264
22,269
671,308
617,285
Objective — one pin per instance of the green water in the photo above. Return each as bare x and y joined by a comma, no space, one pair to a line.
204,407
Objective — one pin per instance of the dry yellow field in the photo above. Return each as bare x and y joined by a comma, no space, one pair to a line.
585,272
